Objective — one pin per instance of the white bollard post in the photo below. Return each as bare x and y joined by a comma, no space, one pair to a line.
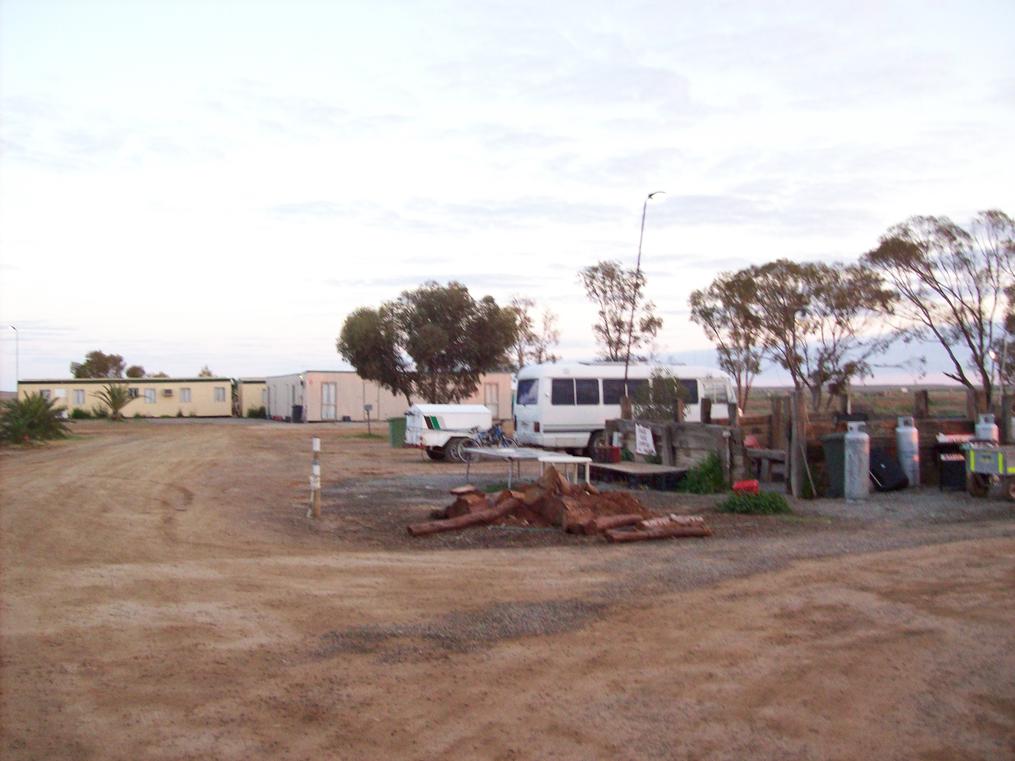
315,479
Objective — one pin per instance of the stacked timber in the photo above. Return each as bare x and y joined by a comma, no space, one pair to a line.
554,501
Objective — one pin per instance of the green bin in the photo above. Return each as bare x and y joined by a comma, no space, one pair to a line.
396,431
834,446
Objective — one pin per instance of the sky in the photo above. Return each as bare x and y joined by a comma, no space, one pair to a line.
220,183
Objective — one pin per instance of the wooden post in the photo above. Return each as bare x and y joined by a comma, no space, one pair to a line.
797,455
777,432
666,444
706,410
678,412
315,479
921,404
733,413
1004,421
625,408
845,403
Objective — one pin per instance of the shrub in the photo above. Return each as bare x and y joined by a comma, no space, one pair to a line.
705,478
34,418
765,503
100,412
115,396
79,414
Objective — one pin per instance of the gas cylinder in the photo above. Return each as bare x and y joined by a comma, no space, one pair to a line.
907,443
858,462
986,429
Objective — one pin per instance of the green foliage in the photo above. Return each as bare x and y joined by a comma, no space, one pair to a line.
135,371
658,399
614,290
31,419
953,284
98,365
725,311
79,414
705,478
100,413
205,372
432,343
257,412
536,335
765,503
115,396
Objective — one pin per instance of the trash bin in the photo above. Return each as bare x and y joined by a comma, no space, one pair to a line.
396,431
297,413
834,446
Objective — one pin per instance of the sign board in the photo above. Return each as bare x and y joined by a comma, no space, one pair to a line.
368,407
643,443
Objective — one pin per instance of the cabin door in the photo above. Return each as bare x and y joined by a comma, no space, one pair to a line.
328,395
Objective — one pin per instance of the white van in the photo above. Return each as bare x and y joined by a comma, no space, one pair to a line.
565,405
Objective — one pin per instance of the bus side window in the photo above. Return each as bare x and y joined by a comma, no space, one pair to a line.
613,389
562,391
638,387
691,387
587,390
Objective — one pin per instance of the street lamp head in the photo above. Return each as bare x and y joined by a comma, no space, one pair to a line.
655,193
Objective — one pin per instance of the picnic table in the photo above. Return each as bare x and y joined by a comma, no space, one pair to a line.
659,476
512,455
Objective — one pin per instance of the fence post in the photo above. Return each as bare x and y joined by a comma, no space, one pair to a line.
315,478
706,410
797,444
921,404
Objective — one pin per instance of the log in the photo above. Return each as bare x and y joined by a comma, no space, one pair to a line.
672,520
672,531
613,521
464,521
468,503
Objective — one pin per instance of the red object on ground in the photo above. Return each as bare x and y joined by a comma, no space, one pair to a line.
606,454
746,487
751,441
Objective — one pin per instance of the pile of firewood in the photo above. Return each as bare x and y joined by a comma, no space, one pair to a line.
553,501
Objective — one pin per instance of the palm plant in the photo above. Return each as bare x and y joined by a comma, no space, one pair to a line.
115,396
33,418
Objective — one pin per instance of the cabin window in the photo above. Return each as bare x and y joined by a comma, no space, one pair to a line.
586,390
220,393
528,391
184,394
133,393
79,396
45,393
562,391
149,396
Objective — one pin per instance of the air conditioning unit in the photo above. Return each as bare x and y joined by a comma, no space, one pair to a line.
167,392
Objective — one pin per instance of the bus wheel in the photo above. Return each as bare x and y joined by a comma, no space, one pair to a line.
596,440
435,453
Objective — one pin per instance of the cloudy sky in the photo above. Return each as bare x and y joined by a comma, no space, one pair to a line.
189,183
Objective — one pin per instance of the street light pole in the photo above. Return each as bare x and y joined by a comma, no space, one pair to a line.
634,296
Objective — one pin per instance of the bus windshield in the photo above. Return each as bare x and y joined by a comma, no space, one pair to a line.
528,392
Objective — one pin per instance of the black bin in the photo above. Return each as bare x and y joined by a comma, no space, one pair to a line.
297,413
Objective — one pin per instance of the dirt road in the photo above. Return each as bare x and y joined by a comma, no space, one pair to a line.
164,597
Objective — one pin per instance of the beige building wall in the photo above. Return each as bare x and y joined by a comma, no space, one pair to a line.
250,392
332,395
155,397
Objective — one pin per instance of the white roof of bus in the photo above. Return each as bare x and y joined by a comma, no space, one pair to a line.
614,370
444,409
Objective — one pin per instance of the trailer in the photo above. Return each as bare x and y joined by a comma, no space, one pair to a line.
443,430
990,465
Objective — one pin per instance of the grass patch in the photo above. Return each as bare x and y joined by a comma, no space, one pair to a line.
766,503
371,436
496,487
704,478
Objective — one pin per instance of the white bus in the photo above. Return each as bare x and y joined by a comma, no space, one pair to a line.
566,405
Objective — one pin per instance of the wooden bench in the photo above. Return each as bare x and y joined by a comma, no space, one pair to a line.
764,459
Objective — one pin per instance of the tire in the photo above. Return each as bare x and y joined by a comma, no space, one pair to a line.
978,484
596,439
468,456
508,442
1010,488
453,449
436,453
